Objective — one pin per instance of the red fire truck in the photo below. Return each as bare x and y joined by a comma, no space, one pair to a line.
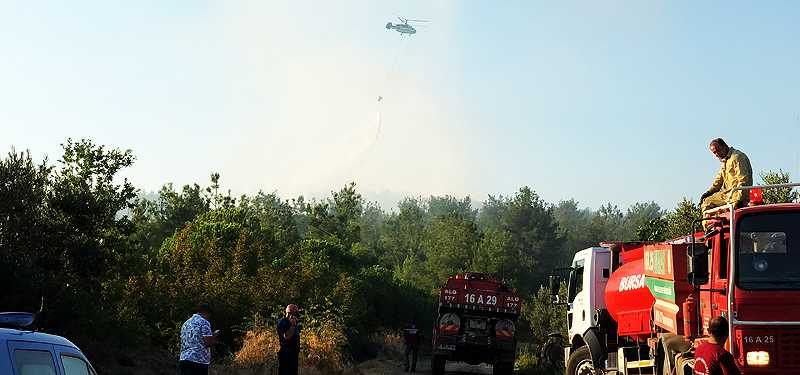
640,308
475,323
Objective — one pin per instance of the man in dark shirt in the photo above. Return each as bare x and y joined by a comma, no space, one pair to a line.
710,357
411,338
289,336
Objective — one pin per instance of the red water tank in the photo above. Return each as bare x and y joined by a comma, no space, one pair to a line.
629,301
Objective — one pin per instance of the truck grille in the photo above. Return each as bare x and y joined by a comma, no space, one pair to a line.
789,350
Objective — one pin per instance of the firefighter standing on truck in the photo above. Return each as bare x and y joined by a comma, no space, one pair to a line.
734,172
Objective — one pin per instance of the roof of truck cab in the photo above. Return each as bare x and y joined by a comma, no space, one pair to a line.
769,208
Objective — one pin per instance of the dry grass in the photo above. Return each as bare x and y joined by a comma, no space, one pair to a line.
321,351
260,346
390,344
323,348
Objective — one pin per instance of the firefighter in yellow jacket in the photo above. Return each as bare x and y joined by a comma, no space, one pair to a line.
734,172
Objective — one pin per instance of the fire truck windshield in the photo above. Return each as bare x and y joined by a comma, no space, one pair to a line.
769,251
575,282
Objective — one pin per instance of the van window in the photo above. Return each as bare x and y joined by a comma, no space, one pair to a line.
74,366
33,362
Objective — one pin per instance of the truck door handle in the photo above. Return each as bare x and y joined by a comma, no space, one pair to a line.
583,315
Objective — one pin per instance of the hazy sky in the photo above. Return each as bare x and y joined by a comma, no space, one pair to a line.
598,101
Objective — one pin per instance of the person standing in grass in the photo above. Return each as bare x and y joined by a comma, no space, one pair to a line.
289,337
411,338
196,342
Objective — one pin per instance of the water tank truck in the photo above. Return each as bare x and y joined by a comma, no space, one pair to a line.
641,307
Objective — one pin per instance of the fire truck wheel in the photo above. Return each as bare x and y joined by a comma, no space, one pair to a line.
580,362
437,365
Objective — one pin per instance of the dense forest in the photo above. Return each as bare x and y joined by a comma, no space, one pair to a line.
118,266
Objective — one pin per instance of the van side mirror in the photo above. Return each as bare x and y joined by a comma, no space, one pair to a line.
698,265
555,285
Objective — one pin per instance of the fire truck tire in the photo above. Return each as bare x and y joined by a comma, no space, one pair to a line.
580,362
503,369
437,365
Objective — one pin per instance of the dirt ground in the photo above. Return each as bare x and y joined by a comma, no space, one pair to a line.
382,366
392,367
371,367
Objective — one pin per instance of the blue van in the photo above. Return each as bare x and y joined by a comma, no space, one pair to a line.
24,352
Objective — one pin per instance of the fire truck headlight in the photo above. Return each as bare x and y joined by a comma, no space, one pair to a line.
759,358
449,324
504,329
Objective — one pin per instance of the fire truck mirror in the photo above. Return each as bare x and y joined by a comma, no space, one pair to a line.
555,283
698,265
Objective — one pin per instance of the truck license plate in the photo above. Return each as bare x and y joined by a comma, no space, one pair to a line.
447,347
480,299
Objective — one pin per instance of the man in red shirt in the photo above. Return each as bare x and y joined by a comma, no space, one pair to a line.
710,357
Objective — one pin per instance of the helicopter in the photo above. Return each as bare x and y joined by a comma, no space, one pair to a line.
404,27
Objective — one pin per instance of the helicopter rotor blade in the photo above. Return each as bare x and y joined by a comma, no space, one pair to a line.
418,21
